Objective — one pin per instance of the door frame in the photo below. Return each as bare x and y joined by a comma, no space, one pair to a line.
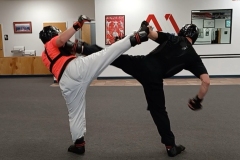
78,34
3,49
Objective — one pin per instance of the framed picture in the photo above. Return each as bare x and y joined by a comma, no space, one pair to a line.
22,27
114,28
209,23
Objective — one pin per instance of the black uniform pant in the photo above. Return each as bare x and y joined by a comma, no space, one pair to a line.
148,72
150,77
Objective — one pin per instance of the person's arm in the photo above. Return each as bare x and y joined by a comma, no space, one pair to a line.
66,35
204,86
195,103
153,35
157,36
160,37
198,69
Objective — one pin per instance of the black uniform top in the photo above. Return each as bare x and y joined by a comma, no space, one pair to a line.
174,54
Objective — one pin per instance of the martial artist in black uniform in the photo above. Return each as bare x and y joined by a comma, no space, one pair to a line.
174,54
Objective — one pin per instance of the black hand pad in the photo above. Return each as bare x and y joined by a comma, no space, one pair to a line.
195,103
144,27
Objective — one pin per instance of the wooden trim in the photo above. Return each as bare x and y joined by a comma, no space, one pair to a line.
23,66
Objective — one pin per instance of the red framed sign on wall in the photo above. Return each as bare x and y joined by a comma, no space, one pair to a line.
114,28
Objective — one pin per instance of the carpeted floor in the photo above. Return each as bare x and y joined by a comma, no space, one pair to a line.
34,123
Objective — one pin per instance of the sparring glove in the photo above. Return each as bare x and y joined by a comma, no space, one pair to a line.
195,103
73,47
144,27
138,38
77,25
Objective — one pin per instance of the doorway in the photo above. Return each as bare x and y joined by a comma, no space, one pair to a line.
87,33
60,25
1,42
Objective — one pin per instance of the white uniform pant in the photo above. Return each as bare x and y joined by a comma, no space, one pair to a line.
78,75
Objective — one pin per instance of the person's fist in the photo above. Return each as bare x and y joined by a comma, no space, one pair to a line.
195,103
81,19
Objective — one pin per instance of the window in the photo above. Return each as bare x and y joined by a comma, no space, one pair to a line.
214,25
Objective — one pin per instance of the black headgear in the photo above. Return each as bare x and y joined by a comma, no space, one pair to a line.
189,30
48,33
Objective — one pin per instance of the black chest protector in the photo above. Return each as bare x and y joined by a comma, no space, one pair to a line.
71,48
67,50
171,55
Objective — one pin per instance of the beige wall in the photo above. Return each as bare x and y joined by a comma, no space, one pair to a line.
38,12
